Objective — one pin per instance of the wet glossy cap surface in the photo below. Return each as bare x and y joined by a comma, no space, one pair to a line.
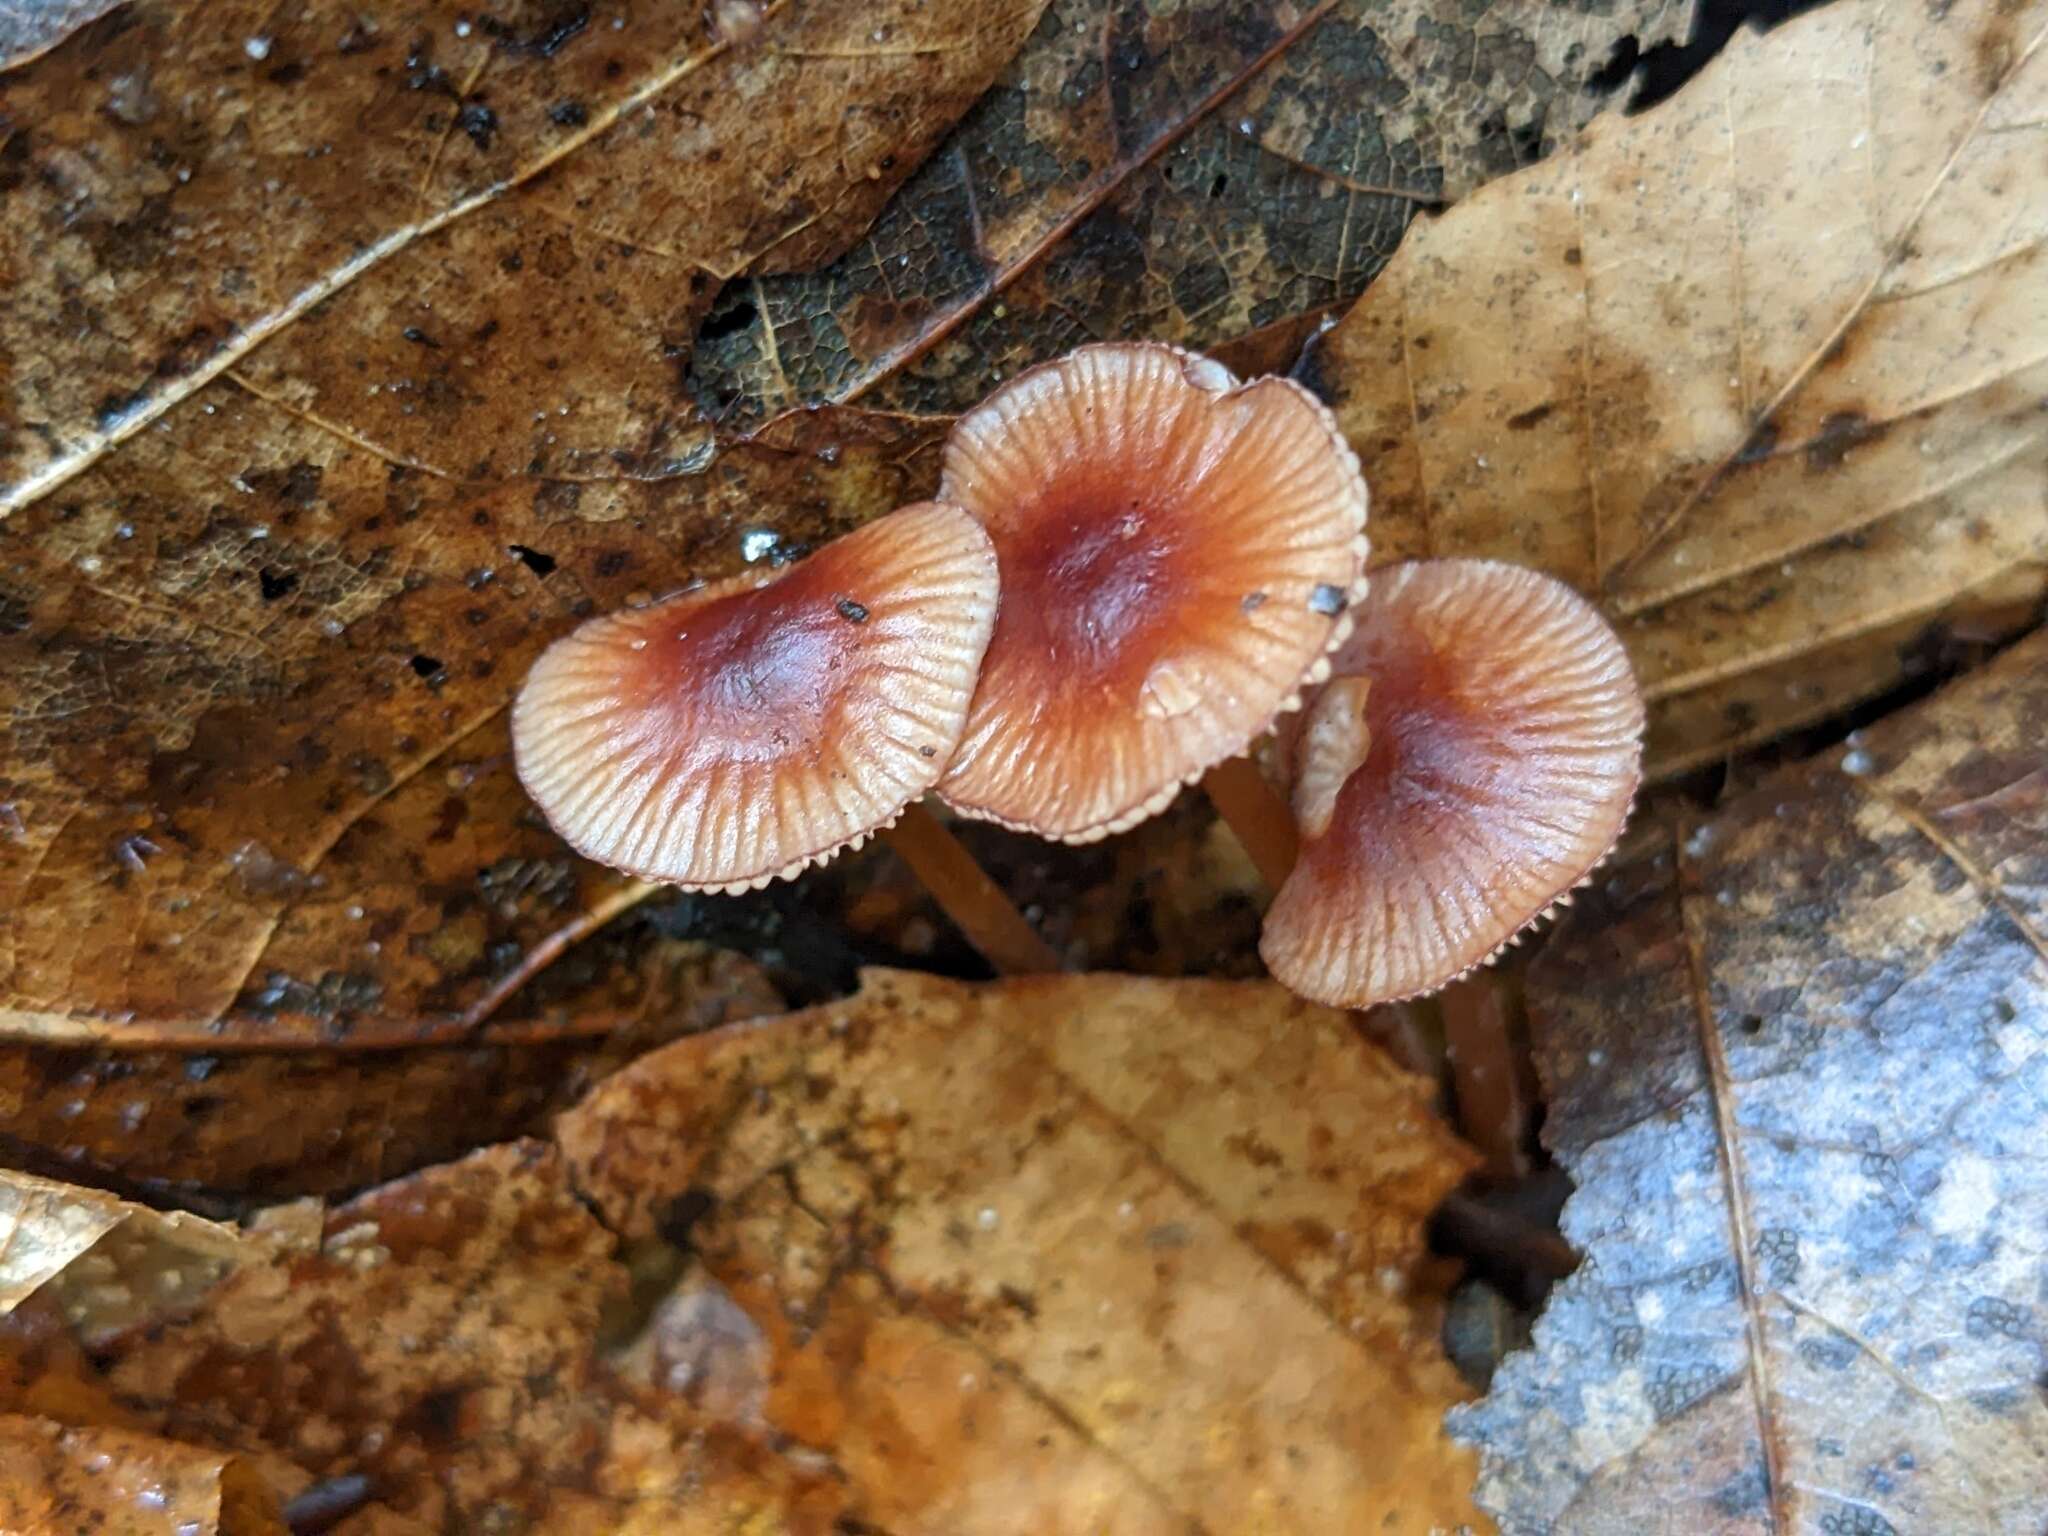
1177,552
1484,768
733,735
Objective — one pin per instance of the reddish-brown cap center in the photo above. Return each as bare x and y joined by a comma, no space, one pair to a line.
764,667
1087,577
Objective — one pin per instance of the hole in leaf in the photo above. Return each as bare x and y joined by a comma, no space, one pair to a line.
1621,63
427,666
1668,66
536,562
276,583
725,321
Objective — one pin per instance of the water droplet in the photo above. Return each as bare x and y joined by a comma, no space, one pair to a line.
257,47
1856,762
757,544
986,1218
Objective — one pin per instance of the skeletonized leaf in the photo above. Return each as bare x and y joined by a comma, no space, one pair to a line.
1184,172
1799,1077
1761,368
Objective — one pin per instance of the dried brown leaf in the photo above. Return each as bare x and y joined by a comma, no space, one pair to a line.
113,1260
380,388
1081,1252
329,1119
1798,1068
1762,368
1064,1253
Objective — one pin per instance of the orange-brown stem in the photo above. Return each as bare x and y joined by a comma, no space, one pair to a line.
965,893
1492,1110
1257,816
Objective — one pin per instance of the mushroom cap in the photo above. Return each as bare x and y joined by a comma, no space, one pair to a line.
735,734
1492,762
1178,551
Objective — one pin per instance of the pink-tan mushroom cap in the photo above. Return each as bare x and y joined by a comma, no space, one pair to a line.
1472,761
735,734
1178,552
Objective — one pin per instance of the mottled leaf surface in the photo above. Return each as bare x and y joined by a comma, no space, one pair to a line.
1114,1254
105,1253
28,27
1761,369
1073,1254
1798,1068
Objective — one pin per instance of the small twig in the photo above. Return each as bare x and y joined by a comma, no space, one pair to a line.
549,949
325,1505
977,905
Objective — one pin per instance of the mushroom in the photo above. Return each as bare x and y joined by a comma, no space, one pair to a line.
1472,761
1178,552
733,735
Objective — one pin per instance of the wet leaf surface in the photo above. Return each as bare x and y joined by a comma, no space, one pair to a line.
105,1258
234,1124
1798,1069
112,1482
352,357
1777,358
936,1258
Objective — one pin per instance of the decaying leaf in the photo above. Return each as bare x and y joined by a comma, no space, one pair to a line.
1184,172
348,360
1074,1254
1007,1246
57,1481
1762,368
341,369
1799,1070
28,27
118,1260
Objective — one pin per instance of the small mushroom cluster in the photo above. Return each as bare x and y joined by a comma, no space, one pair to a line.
1134,566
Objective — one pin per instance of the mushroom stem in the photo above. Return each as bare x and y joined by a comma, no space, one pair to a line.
1256,814
966,894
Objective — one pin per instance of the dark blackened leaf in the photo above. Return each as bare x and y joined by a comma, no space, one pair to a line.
1185,173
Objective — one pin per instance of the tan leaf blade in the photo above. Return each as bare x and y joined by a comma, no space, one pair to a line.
1760,368
1084,1253
1799,1080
